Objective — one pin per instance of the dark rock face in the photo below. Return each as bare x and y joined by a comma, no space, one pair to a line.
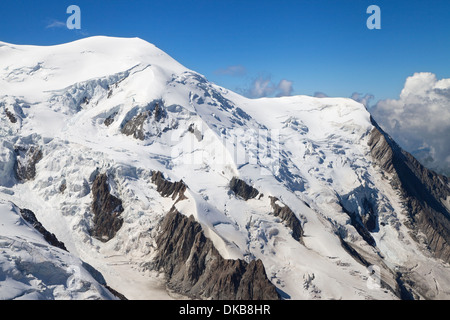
390,280
155,114
167,188
10,116
106,208
197,133
242,189
422,191
100,279
110,119
404,290
63,187
158,112
135,126
360,226
115,292
288,216
30,217
370,219
26,160
354,253
361,205
194,267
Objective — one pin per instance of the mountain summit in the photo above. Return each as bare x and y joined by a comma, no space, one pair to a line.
124,174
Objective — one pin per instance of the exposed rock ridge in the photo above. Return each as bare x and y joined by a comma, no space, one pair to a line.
357,222
242,189
288,216
391,280
100,279
110,119
10,116
167,188
30,217
138,125
421,189
194,267
106,208
135,126
26,160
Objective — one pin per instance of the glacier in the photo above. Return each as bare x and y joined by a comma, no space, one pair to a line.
165,140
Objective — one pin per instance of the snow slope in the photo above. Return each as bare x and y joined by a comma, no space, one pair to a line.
72,101
33,269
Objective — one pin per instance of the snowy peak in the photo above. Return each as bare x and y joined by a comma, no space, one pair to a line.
43,69
117,147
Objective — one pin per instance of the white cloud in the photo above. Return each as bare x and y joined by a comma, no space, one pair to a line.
319,94
285,88
260,87
364,99
420,119
56,24
237,70
264,87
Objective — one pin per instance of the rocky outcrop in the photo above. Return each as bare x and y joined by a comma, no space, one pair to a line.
158,112
135,126
197,133
242,189
106,208
353,252
193,267
370,219
63,186
357,222
110,119
289,218
155,114
26,160
100,279
422,191
30,217
246,192
167,188
12,118
394,281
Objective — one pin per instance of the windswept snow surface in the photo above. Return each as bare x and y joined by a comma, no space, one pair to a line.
310,153
30,268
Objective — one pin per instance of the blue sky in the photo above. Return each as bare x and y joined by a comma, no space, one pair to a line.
316,45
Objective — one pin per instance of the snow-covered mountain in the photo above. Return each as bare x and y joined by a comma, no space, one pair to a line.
158,184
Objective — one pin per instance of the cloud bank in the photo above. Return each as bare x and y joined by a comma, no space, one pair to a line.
236,71
420,119
265,87
364,99
320,94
